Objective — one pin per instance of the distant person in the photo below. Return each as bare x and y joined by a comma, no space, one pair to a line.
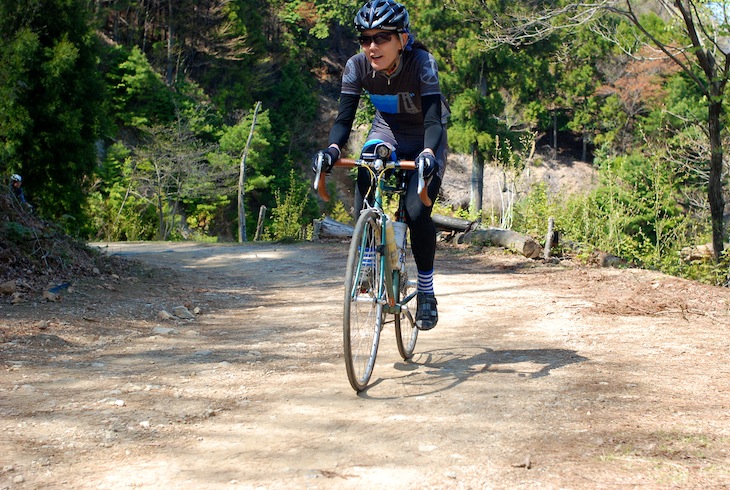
16,183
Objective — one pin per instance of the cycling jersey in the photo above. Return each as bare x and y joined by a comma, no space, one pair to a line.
408,114
408,104
397,97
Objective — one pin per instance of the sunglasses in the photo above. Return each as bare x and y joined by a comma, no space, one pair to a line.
378,39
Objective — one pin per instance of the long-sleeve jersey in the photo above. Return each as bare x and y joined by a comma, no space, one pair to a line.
407,103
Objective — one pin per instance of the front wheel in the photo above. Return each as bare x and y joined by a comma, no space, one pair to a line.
363,314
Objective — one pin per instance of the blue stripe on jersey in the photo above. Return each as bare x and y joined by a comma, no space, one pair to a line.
387,104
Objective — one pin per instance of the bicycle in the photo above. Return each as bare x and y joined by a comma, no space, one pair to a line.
377,279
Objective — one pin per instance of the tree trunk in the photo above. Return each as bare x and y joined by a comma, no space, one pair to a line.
477,182
555,133
160,208
242,180
170,56
714,89
477,162
160,217
714,188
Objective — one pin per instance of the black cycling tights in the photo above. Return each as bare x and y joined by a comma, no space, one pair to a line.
418,216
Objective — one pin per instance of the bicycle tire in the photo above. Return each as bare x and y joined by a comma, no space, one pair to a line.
406,331
363,309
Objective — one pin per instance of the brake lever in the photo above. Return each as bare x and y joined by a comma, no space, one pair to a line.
319,180
421,180
422,190
317,174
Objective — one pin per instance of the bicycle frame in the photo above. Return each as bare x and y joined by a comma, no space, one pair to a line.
370,297
387,297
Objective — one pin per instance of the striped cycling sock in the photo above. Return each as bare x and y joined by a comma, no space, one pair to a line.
368,258
425,282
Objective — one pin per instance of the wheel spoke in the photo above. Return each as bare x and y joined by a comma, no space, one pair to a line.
406,332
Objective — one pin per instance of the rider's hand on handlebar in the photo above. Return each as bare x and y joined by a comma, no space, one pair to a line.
329,156
428,160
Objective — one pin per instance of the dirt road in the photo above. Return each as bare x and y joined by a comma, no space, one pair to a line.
537,376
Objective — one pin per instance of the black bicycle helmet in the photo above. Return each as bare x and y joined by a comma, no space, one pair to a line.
382,14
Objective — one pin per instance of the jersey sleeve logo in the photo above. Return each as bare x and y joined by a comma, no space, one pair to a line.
349,75
430,72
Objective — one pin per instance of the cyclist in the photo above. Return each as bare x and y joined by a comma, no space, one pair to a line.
16,181
401,78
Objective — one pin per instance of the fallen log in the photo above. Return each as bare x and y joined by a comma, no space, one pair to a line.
330,228
512,240
452,224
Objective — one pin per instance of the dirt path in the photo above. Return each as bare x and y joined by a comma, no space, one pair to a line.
536,377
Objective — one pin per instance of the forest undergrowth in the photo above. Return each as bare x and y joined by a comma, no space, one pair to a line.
37,255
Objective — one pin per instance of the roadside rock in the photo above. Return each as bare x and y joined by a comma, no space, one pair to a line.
164,315
182,312
8,287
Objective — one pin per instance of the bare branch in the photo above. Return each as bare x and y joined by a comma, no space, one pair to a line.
529,28
520,28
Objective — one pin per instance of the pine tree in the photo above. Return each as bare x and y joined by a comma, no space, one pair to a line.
55,101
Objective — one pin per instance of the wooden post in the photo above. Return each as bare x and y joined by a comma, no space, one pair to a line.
260,224
549,238
316,226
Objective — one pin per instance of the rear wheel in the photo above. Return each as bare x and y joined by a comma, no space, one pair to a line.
406,332
363,314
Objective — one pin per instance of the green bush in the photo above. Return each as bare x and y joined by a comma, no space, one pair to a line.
531,213
340,213
287,216
633,213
